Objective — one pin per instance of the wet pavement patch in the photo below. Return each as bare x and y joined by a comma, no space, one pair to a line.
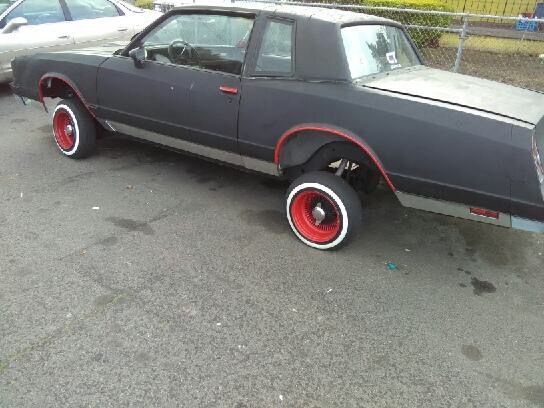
518,391
531,393
274,221
481,287
109,241
131,225
467,272
471,352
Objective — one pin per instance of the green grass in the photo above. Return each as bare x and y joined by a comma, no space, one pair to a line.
148,4
496,45
494,7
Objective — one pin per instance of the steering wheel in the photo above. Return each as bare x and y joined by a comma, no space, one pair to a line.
178,49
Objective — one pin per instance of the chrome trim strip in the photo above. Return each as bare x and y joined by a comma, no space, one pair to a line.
249,163
110,126
261,166
527,225
449,208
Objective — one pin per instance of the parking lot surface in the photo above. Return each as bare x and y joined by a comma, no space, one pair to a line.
142,277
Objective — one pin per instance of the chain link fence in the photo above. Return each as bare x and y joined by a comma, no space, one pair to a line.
501,48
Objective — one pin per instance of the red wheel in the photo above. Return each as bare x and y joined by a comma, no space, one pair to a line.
315,216
74,129
323,210
63,129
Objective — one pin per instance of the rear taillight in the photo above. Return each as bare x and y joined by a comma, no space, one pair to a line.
482,212
538,162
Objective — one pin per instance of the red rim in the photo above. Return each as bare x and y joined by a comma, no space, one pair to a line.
302,210
64,129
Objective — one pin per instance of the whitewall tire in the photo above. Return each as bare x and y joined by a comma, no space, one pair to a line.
74,129
324,212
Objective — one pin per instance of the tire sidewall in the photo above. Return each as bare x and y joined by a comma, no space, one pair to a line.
69,110
341,236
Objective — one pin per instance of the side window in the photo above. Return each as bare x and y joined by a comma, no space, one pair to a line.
89,9
37,12
276,53
209,41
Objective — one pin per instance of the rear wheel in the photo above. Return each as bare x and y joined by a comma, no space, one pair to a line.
323,210
74,129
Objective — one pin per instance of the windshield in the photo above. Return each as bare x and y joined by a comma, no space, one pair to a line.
373,49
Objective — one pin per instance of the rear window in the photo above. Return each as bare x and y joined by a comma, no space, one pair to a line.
373,49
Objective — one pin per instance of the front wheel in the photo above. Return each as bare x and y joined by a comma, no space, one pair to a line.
74,129
323,210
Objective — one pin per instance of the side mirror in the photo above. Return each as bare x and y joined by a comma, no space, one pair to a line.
14,24
138,55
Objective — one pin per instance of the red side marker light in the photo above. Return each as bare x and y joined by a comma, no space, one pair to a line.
482,212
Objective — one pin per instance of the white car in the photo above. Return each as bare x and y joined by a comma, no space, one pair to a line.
31,26
165,5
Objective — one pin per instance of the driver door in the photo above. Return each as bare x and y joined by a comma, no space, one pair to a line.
187,88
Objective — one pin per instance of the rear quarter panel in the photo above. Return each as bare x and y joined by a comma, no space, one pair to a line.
427,148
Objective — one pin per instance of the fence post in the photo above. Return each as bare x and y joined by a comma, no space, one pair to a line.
462,38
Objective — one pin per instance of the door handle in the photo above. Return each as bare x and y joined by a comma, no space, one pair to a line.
122,29
228,90
63,37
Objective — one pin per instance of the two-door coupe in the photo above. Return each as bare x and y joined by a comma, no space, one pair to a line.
332,100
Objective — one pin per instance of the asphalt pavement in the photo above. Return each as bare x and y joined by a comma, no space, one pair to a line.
145,278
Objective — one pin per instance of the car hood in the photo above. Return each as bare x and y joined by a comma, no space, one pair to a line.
463,90
103,50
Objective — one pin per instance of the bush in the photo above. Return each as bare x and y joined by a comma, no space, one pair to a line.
147,4
422,37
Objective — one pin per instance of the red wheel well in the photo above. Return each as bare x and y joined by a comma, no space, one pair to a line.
342,134
57,86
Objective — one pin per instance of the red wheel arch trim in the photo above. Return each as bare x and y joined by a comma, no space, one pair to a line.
338,133
69,83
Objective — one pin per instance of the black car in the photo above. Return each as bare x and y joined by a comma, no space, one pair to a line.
334,101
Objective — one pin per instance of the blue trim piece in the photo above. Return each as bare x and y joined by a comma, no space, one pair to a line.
527,225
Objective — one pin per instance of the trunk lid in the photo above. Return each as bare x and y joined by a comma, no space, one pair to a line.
463,90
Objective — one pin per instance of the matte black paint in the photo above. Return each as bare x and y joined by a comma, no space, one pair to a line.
428,148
